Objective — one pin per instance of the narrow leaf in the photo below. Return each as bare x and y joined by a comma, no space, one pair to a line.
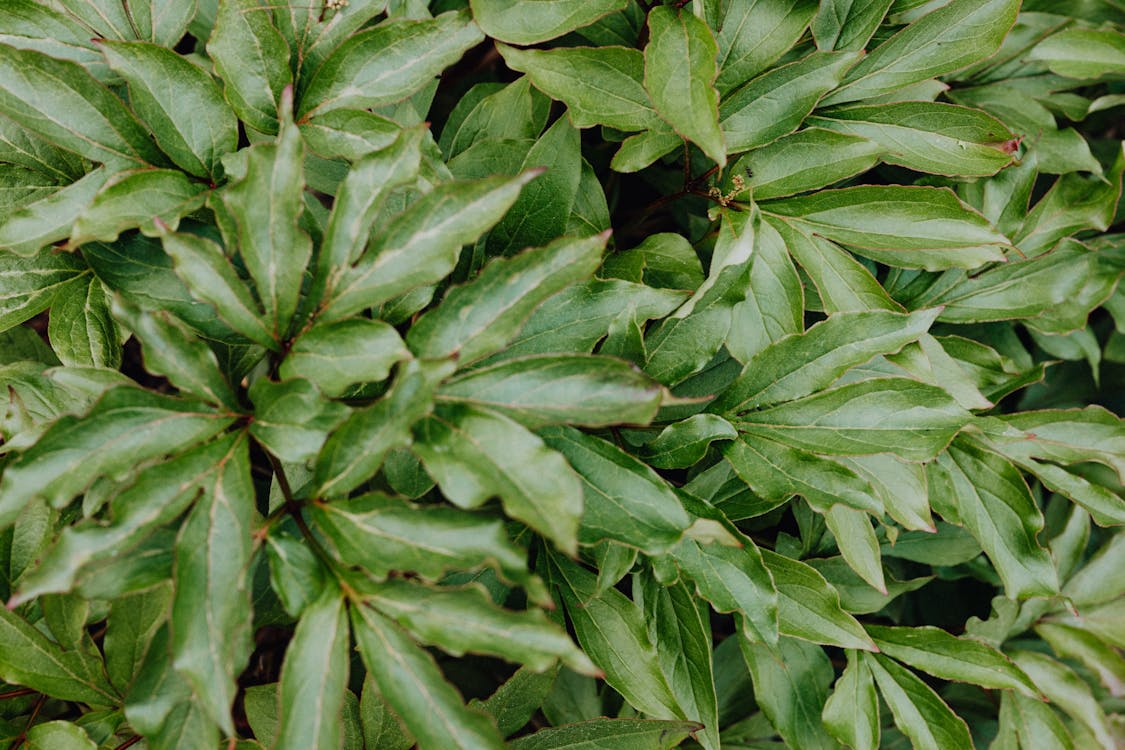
918,711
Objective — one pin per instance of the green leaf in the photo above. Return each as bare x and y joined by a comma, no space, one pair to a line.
599,85
387,63
987,495
29,658
804,363
851,713
625,500
479,318
292,419
252,58
805,160
171,350
928,137
848,25
947,657
356,449
754,35
1067,436
912,420
50,219
130,629
665,260
466,620
59,735
918,711
144,198
380,723
59,100
1099,657
125,427
475,454
270,240
28,24
682,444
587,390
81,330
621,734
516,701
314,677
29,285
900,485
907,227
532,21
612,630
179,102
777,102
420,246
857,543
680,72
348,133
946,39
495,111
809,608
791,685
337,355
1074,203
1083,53
414,686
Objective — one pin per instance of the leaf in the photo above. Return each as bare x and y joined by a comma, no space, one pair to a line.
682,444
81,330
60,101
413,685
518,698
587,390
1071,642
271,242
918,711
806,160
380,723
1082,53
28,24
29,285
59,735
680,72
754,35
760,112
851,713
848,25
125,427
314,676
599,85
990,498
420,246
907,227
886,415
1067,436
144,198
946,39
665,260
356,449
337,355
171,350
179,102
791,685
387,63
928,136
36,225
292,418
252,58
211,628
132,625
947,657
612,631
621,734
474,454
29,658
479,318
348,133
804,363
465,620
857,543
526,22
624,499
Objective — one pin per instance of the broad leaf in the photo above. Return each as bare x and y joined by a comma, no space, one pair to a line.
149,199
337,355
918,711
252,58
851,713
292,418
81,331
848,25
754,35
531,21
1083,53
47,220
791,685
28,285
805,160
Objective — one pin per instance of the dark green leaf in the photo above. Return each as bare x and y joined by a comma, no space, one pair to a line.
603,734
754,35
791,685
805,160
81,330
146,198
28,285
918,711
337,355
682,444
130,628
516,701
252,58
292,418
848,25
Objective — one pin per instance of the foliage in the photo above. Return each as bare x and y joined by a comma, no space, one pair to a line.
357,427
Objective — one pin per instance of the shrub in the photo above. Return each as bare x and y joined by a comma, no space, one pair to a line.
813,450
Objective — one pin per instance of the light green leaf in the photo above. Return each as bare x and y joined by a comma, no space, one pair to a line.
680,72
252,58
179,102
1074,203
791,686
946,39
421,245
1083,53
413,685
805,160
28,24
1071,642
29,285
59,100
928,136
603,734
625,500
599,85
491,111
802,364
900,485
292,419
387,63
380,723
348,133
1036,721
475,454
641,150
26,230
665,260
144,198
211,628
918,711
586,390
857,543
532,21
1064,688
848,25
337,355
1067,436
479,318
682,444
125,427
59,735
754,35
81,331
314,677
907,227
851,713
